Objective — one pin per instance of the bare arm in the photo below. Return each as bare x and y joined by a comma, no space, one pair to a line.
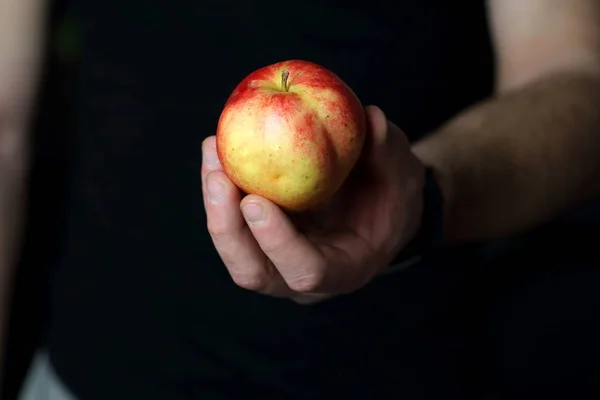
532,151
20,45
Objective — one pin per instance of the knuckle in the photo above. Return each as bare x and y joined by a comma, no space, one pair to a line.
217,230
252,281
310,283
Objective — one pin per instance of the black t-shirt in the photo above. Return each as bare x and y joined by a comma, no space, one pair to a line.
141,305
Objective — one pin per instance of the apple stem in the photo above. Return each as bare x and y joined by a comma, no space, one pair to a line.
284,80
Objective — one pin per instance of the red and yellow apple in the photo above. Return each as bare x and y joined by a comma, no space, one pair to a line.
291,132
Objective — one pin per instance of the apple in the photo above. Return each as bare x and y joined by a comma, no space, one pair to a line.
291,132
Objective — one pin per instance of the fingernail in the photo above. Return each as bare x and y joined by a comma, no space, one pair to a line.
215,189
210,158
254,213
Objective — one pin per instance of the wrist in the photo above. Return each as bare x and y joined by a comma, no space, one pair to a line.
429,236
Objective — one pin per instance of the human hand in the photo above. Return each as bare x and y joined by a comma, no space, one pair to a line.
333,250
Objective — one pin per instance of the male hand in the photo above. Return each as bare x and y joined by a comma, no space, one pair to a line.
326,252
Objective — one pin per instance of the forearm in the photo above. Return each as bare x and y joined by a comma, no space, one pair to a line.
512,162
21,25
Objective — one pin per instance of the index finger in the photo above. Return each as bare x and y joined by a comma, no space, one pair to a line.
306,266
297,260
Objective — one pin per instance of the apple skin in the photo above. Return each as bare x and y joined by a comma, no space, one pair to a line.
294,139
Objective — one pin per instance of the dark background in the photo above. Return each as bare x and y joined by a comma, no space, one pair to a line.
539,291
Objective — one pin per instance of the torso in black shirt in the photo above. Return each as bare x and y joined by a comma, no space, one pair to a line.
142,307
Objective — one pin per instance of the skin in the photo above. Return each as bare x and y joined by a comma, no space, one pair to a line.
505,165
20,48
546,100
342,245
529,153
291,140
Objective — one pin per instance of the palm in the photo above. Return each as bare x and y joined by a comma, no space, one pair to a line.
365,220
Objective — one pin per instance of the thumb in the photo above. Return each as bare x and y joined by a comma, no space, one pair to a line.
377,128
386,145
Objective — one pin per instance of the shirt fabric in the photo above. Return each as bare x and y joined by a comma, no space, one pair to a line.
141,307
